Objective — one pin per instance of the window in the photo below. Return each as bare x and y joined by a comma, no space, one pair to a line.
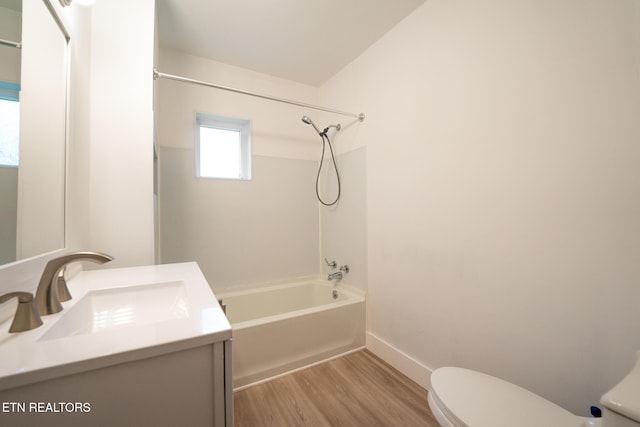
9,124
223,147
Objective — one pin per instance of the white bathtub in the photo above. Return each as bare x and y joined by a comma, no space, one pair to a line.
282,327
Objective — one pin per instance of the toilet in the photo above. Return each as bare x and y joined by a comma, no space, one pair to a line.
464,398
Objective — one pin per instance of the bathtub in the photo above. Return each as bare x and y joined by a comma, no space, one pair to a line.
282,327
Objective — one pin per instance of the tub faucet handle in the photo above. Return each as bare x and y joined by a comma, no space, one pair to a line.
331,264
344,268
337,276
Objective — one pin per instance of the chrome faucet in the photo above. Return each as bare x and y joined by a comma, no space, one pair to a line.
338,275
26,317
47,294
335,276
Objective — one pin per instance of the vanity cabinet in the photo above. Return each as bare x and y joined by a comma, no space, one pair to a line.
185,388
153,371
191,387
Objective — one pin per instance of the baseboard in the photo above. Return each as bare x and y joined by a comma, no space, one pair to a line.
404,363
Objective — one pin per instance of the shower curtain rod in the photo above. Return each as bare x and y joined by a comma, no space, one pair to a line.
157,74
17,45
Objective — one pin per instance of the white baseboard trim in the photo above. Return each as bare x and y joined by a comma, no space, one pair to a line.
404,363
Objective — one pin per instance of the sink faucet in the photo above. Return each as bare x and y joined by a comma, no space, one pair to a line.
47,299
338,274
26,316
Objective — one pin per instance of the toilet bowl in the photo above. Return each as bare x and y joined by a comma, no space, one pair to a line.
464,398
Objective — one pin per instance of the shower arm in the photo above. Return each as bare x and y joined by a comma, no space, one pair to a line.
338,127
307,120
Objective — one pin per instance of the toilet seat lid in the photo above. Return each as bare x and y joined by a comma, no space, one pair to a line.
473,399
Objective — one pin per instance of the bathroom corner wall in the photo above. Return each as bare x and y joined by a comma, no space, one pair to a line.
343,226
271,227
503,190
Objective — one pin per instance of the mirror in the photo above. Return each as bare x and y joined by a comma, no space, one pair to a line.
33,128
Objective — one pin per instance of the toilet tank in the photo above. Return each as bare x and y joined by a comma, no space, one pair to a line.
622,402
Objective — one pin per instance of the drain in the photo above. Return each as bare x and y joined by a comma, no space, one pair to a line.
334,294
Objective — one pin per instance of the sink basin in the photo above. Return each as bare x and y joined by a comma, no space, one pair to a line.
111,309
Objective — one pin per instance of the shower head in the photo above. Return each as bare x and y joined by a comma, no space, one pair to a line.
308,121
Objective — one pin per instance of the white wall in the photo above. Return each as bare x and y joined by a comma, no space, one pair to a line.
121,131
503,189
78,193
277,129
240,232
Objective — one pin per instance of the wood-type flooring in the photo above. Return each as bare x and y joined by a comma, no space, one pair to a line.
358,389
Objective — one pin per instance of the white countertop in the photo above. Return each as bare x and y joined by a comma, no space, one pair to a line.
26,357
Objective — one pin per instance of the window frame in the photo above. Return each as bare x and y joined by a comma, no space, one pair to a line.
243,126
10,91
